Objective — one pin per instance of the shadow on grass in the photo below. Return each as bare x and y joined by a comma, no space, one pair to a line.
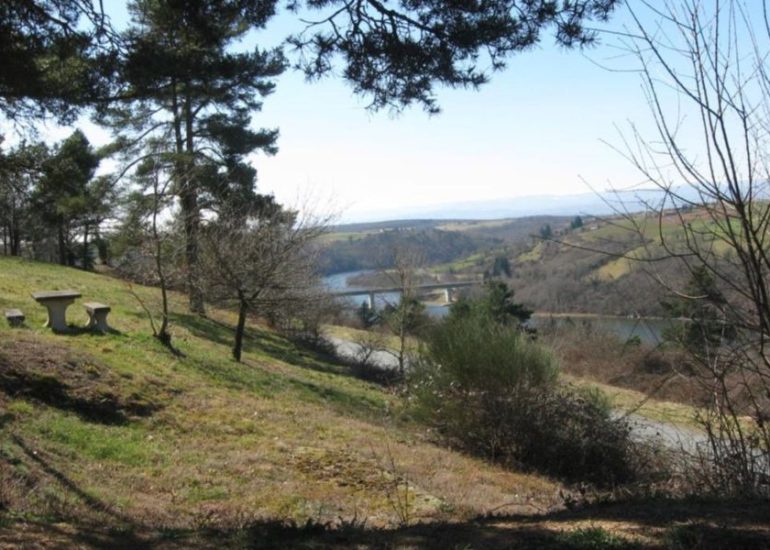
89,500
51,374
100,407
295,353
706,525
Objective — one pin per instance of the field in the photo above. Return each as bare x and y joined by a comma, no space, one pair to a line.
111,440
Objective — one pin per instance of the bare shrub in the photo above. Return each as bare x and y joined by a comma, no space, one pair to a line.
260,259
704,69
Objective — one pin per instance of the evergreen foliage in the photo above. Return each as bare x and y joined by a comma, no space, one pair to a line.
185,88
20,169
396,53
56,56
491,391
367,315
68,198
705,306
496,305
501,266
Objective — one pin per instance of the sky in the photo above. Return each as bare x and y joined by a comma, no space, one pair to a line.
547,125
536,128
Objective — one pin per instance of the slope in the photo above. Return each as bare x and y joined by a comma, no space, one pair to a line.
111,441
115,430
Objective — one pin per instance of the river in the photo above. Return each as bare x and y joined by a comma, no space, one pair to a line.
649,330
339,281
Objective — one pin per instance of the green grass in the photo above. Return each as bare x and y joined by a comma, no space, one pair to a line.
223,433
121,444
286,438
633,401
591,538
471,262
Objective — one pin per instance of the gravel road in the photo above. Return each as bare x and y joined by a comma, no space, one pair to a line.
674,437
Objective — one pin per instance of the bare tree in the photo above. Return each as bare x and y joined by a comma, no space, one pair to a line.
150,260
705,73
261,260
407,316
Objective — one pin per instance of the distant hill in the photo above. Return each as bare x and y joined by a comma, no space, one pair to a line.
352,247
595,268
578,270
602,203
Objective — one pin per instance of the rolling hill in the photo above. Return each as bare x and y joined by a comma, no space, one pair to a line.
588,269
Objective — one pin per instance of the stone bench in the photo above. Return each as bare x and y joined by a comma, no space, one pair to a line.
56,302
14,317
97,316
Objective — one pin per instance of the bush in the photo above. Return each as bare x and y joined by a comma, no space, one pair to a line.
492,392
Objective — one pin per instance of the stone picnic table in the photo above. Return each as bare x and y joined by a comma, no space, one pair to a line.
56,301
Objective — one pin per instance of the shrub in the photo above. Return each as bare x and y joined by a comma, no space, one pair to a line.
492,392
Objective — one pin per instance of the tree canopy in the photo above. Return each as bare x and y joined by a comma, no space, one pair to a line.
395,54
186,99
56,55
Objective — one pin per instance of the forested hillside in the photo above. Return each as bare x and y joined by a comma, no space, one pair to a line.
611,266
432,242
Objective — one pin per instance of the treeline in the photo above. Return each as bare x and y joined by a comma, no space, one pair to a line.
379,250
52,206
179,207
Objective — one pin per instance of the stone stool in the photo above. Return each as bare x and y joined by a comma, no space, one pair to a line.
97,316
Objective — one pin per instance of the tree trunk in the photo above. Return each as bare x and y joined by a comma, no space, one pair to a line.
193,215
188,200
191,218
15,234
239,329
402,336
163,334
62,246
86,260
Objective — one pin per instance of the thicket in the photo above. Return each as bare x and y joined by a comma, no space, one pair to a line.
490,391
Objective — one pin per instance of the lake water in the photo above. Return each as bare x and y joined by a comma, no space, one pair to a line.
339,281
648,330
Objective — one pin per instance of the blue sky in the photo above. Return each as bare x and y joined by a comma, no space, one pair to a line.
537,128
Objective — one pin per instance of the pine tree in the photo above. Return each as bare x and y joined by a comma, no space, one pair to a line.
186,86
67,197
56,55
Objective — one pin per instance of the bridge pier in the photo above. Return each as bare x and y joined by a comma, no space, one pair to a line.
370,301
448,295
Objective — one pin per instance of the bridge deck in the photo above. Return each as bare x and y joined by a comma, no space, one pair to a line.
435,286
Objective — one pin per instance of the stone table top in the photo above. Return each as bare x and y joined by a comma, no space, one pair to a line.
47,295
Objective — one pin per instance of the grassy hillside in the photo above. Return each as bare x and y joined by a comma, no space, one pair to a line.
112,441
115,429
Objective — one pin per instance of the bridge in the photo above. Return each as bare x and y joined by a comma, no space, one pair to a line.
370,293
